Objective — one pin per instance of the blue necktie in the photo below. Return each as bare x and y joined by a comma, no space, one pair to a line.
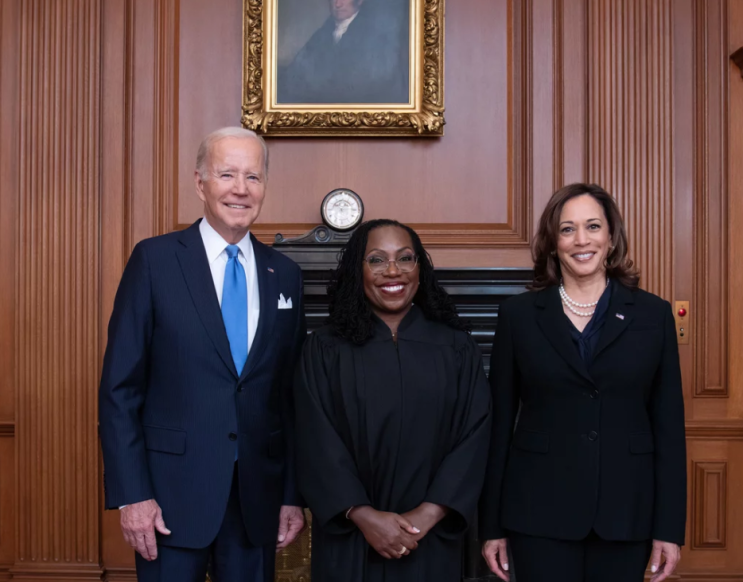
235,308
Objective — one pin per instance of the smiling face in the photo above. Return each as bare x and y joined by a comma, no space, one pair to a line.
390,293
583,238
343,9
233,187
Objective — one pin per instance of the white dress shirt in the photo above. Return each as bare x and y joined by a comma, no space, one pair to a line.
341,28
215,247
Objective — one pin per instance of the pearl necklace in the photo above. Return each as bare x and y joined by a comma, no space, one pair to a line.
572,304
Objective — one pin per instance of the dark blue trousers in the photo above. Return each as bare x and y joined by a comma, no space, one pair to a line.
229,558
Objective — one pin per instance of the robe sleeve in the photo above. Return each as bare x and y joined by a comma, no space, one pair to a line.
506,398
327,472
458,479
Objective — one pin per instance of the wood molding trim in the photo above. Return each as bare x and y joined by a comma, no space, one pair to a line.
630,108
714,430
57,297
709,505
710,299
165,122
7,428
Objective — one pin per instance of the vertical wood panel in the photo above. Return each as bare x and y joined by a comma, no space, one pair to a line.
709,505
57,294
630,136
710,221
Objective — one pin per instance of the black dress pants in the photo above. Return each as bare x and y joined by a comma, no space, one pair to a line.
538,559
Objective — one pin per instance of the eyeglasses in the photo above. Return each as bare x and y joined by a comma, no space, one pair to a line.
379,265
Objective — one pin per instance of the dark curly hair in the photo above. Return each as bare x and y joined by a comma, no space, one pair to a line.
350,312
544,246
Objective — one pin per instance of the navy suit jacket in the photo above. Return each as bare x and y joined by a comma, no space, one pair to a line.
172,406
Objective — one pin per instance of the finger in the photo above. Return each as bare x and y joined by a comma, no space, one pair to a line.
141,547
504,557
655,558
407,526
160,524
151,543
491,558
283,528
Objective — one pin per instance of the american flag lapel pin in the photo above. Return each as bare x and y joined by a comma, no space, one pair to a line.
270,270
620,316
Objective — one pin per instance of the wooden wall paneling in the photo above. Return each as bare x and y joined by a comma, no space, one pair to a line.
630,132
117,98
9,70
709,505
57,511
710,252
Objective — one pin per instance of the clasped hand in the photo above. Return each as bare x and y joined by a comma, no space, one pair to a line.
392,535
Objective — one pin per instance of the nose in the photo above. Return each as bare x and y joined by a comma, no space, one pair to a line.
241,185
581,237
392,268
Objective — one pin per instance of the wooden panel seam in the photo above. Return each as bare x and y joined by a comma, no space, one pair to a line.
709,505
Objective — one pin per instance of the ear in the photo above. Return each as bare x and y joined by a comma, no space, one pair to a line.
199,183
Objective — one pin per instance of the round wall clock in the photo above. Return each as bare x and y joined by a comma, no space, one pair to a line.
342,209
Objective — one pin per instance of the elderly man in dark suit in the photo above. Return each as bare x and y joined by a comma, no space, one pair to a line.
360,55
196,412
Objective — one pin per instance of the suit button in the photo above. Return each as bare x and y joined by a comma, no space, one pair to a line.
240,388
232,436
594,394
593,435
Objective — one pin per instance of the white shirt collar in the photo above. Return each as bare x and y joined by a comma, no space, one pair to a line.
342,26
215,244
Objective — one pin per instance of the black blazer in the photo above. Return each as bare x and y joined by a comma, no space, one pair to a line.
172,404
599,447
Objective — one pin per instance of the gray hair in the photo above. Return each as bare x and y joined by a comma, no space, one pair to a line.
208,142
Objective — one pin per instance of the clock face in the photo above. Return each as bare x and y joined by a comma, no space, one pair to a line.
342,209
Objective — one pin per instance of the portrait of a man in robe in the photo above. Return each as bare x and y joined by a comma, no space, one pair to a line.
343,51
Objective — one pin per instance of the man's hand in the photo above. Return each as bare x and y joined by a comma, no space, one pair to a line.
670,553
424,517
390,534
291,524
138,524
495,553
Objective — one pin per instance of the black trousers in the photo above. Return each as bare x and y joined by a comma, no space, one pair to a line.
538,559
229,558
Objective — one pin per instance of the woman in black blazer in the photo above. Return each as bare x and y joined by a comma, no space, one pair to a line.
587,468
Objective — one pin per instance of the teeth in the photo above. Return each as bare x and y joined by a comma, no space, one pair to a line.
584,256
392,288
237,206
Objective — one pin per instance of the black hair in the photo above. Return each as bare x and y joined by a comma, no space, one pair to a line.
350,312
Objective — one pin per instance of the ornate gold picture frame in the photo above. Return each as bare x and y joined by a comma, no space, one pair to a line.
289,90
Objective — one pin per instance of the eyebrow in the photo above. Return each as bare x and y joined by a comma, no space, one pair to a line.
397,251
589,220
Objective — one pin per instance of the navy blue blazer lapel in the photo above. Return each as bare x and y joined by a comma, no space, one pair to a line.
618,317
195,266
269,296
551,318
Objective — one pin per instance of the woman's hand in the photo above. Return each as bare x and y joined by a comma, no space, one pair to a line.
390,534
495,553
425,516
670,554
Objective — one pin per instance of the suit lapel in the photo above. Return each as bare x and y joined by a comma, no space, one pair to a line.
195,266
617,317
552,321
268,287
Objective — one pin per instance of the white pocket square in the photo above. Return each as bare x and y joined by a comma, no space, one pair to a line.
284,303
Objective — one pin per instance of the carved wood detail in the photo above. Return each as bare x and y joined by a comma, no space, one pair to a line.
709,505
630,126
57,310
710,212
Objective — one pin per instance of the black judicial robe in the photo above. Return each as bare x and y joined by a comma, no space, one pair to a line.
391,425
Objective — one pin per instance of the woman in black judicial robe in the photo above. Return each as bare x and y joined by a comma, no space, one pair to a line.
393,418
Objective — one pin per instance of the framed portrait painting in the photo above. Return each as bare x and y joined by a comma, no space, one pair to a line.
343,67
